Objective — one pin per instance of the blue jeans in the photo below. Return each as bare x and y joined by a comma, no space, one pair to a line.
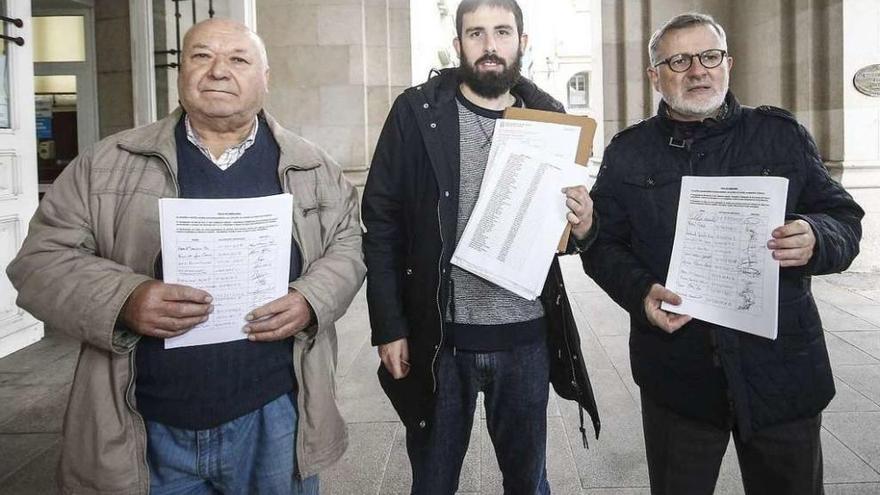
516,387
251,454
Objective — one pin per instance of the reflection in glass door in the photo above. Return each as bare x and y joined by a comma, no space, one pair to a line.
55,101
64,91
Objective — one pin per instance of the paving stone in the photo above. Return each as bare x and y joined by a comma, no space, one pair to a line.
835,319
45,415
359,395
17,398
58,372
618,491
841,465
617,348
729,476
398,474
865,379
361,468
561,468
591,348
852,489
873,295
491,481
617,459
604,316
869,311
836,295
843,353
34,357
575,278
853,280
859,431
37,476
869,342
353,332
847,399
17,450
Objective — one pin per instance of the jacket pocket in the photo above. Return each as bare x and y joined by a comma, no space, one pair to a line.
404,395
758,169
651,201
799,324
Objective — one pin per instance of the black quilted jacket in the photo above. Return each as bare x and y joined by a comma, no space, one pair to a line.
410,210
705,371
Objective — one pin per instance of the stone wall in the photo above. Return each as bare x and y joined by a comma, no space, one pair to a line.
336,67
113,53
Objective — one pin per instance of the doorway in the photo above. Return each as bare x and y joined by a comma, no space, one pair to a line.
65,93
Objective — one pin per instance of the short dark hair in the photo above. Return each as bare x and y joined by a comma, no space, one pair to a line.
468,6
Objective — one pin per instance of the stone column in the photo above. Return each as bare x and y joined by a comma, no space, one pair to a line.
113,57
336,66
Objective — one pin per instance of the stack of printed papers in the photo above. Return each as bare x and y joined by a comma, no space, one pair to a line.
513,231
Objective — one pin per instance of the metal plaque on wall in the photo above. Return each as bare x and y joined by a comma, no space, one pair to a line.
867,80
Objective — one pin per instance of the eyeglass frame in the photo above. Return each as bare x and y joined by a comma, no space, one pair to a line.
690,58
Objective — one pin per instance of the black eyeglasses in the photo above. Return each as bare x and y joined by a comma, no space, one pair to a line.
681,62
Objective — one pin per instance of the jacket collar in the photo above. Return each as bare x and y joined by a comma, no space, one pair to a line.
157,139
730,113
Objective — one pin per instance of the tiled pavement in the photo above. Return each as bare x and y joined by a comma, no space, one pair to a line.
34,384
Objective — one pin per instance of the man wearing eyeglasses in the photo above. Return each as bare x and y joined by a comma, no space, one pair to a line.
701,382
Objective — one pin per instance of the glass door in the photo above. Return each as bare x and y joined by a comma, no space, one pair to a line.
65,95
18,165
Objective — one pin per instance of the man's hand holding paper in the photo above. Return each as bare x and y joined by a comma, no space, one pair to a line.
157,309
282,318
580,215
793,243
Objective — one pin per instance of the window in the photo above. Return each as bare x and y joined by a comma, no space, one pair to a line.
579,90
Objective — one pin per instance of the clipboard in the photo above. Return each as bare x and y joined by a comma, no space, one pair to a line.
585,142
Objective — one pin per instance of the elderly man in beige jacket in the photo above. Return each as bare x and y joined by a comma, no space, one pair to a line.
256,415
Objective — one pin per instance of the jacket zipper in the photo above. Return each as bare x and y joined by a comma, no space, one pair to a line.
139,420
300,449
571,358
129,390
439,309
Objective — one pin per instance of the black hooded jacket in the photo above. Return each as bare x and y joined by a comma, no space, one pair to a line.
410,210
705,371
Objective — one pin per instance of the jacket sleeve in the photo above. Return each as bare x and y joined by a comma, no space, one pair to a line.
384,218
330,282
610,260
832,213
61,277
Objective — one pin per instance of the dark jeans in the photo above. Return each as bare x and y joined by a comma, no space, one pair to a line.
516,387
684,455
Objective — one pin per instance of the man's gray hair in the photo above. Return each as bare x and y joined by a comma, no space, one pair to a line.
683,21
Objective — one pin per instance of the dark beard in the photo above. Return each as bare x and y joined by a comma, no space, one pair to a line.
490,84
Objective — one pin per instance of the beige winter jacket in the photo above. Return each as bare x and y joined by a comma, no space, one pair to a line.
95,237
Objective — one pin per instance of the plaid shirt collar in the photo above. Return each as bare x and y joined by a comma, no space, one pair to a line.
232,154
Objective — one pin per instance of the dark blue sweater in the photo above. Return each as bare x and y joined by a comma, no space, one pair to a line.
205,386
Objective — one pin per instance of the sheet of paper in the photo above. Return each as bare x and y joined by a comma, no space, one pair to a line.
511,236
555,141
721,266
238,250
